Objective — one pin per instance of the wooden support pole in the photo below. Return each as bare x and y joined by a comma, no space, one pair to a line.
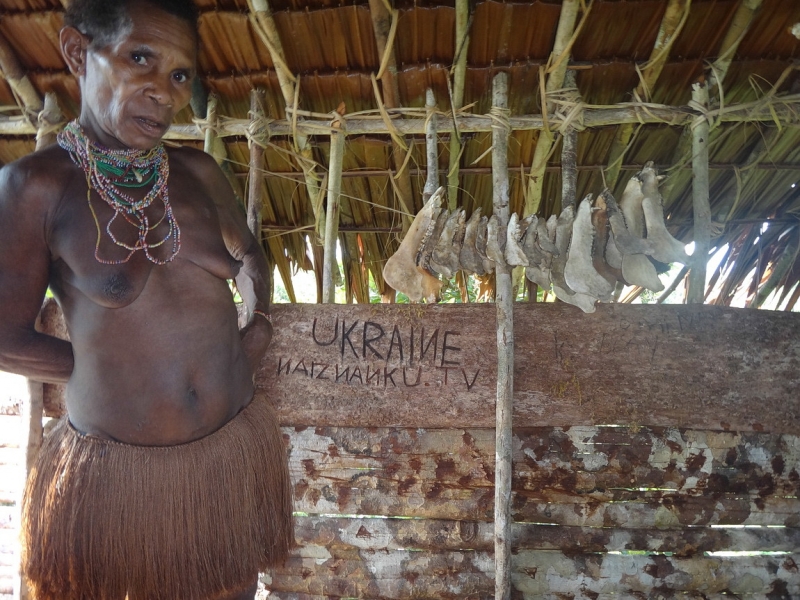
742,19
332,217
431,148
671,26
569,159
459,72
702,207
264,23
49,121
566,27
504,301
254,200
382,17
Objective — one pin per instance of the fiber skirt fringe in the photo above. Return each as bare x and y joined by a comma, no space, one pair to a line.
102,519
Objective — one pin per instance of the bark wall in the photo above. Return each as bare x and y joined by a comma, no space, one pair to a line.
656,451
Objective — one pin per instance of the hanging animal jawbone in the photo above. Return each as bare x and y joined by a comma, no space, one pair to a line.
401,271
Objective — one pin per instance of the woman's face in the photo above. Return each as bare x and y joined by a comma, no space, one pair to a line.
132,88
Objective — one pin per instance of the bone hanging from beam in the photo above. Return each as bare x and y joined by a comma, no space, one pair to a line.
581,256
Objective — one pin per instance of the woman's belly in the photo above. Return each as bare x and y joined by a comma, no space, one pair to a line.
167,369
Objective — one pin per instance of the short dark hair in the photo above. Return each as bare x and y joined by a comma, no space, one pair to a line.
104,20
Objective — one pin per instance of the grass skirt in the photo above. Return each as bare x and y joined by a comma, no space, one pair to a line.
103,519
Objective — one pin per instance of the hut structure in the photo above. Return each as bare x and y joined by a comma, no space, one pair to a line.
514,449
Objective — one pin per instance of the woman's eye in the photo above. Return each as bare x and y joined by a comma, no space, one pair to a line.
139,59
180,77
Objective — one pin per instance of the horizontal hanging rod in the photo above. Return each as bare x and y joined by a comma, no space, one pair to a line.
782,110
515,169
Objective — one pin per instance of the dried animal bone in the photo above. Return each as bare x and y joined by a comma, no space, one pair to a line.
513,253
445,253
481,242
638,270
666,248
579,272
582,301
401,270
429,242
604,249
495,241
631,206
563,238
547,235
468,256
623,238
538,269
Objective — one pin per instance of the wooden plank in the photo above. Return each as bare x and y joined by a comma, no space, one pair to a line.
690,366
407,574
378,534
581,476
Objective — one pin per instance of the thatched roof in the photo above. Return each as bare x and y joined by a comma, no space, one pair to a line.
331,50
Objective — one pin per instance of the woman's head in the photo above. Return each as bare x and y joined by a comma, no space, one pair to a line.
135,61
102,21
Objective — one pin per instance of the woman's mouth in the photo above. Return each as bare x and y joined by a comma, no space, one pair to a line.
151,126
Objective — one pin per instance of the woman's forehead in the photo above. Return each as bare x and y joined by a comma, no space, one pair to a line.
149,25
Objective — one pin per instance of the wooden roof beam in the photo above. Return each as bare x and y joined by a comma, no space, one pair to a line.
671,26
565,36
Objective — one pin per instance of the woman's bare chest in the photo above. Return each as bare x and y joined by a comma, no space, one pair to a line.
108,252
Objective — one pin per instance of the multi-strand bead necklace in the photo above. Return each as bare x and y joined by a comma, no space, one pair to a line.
109,172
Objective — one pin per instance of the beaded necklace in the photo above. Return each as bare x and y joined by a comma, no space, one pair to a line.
109,172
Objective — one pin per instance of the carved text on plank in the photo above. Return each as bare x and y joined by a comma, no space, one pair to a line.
372,354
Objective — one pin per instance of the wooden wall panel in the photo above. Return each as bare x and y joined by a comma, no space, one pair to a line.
406,574
581,476
701,367
377,534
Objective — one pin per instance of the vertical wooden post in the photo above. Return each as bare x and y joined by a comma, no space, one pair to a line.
432,180
48,121
332,216
504,302
256,176
702,208
569,158
33,408
457,100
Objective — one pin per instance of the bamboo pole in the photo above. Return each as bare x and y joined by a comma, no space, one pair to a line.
740,24
49,121
504,302
566,27
431,147
382,16
742,19
28,98
264,24
702,207
459,73
671,26
332,217
256,177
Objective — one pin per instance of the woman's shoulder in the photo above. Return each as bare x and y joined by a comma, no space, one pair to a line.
40,177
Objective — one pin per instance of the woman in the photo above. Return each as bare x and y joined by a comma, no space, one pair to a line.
165,481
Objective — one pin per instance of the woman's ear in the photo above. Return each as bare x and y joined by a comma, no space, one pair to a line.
74,46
